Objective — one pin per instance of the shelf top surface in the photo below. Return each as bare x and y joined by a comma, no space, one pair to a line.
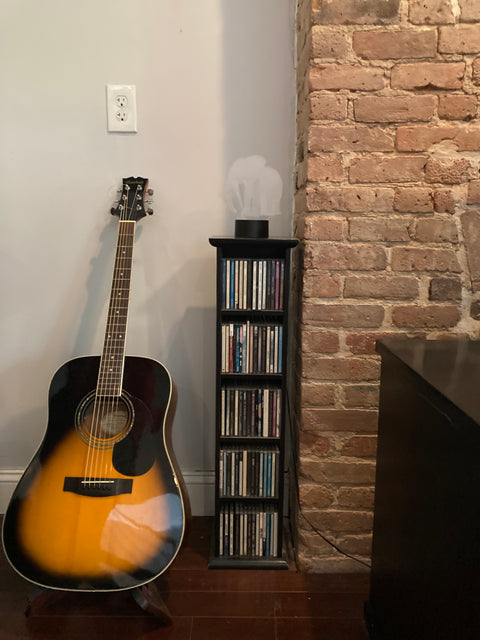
280,242
452,367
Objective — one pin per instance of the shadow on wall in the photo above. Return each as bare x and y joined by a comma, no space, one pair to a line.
189,349
27,380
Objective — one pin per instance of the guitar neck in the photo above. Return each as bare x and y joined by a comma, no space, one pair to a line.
113,356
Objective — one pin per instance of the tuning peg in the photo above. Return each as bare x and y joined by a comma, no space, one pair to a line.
150,192
112,211
150,211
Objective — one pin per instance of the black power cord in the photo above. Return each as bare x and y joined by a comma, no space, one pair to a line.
312,526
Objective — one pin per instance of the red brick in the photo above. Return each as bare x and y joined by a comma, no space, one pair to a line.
403,108
355,420
344,315
318,394
356,545
444,200
357,12
431,12
361,395
383,287
356,497
359,447
365,341
449,171
428,75
340,257
346,76
413,199
471,233
315,495
321,285
354,199
422,137
390,45
338,472
424,259
325,169
312,550
455,107
476,71
475,310
435,316
435,230
329,42
459,39
388,169
328,106
321,227
313,444
368,229
349,138
331,368
354,521
469,10
473,192
315,341
449,335
443,289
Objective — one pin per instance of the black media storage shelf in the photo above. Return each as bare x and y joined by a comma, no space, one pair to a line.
253,286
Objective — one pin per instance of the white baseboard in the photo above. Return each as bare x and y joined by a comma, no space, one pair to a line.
201,491
8,482
200,487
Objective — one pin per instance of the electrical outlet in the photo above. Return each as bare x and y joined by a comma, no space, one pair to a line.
121,107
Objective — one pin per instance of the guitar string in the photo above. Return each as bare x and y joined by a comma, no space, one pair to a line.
106,380
101,409
114,376
112,380
92,456
120,317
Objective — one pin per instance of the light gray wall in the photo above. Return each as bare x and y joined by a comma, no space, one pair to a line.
215,82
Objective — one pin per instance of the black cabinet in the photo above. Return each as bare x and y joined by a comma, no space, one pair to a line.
253,277
426,543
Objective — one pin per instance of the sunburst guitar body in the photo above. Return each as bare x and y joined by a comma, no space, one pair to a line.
101,507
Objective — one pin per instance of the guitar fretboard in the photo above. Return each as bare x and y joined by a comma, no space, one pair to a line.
112,361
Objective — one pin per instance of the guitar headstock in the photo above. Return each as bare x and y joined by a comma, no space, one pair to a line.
131,205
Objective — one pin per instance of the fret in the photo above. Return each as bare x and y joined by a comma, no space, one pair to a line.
112,360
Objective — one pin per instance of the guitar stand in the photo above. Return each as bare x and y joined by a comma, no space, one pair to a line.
147,597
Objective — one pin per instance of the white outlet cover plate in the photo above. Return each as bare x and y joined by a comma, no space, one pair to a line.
121,107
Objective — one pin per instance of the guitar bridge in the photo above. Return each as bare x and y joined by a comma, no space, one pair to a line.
98,487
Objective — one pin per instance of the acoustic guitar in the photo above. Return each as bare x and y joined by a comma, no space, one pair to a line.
100,507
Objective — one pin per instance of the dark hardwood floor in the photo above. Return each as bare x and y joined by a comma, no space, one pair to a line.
205,604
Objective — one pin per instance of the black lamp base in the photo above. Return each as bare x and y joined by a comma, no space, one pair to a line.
251,228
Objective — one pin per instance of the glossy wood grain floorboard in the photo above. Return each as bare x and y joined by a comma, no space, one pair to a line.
205,604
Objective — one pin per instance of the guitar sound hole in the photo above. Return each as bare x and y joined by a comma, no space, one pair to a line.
103,421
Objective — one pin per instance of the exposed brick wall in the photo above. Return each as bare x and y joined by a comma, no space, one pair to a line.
388,212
